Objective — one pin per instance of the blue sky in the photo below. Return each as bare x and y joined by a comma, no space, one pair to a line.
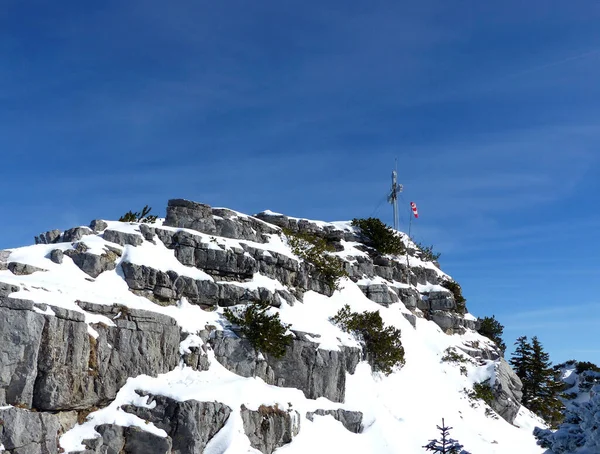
492,109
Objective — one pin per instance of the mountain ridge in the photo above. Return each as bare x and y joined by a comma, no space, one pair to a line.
118,292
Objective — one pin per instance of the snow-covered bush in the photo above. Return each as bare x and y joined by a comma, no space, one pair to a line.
580,431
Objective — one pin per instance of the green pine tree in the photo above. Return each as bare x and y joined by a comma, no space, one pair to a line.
544,386
541,386
521,363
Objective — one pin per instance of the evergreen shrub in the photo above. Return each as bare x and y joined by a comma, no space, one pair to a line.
380,236
383,346
265,332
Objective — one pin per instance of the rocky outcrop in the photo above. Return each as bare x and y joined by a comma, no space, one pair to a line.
127,440
239,264
75,234
269,428
380,294
302,226
53,364
27,432
317,372
92,264
57,255
190,424
351,420
122,238
451,322
98,225
169,287
22,269
216,221
507,391
20,338
49,237
7,289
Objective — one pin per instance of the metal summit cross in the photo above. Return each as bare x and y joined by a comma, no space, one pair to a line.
393,197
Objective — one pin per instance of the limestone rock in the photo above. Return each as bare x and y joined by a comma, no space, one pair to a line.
379,293
126,440
351,420
76,233
270,428
409,296
27,432
20,339
169,287
190,424
98,225
53,364
452,322
438,301
21,269
7,289
190,215
56,255
122,238
92,264
317,372
49,237
507,391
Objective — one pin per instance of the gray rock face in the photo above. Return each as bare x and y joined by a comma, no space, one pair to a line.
4,256
351,420
122,238
20,338
507,392
216,221
21,269
438,301
380,294
189,215
318,373
241,264
270,428
49,237
126,440
169,287
409,296
76,233
56,255
98,225
190,424
53,363
305,226
92,264
7,289
451,322
27,432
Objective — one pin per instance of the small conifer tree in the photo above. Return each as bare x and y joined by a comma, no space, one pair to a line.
139,216
446,445
265,332
541,386
492,329
379,236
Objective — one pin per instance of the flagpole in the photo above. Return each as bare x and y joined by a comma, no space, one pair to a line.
407,262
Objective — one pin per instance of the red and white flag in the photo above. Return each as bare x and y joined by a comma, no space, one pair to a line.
413,207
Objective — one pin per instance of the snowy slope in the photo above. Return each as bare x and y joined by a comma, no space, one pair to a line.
400,410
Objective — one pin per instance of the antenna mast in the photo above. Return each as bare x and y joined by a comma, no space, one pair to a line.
393,197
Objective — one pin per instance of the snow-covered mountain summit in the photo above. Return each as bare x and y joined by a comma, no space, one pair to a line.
113,339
